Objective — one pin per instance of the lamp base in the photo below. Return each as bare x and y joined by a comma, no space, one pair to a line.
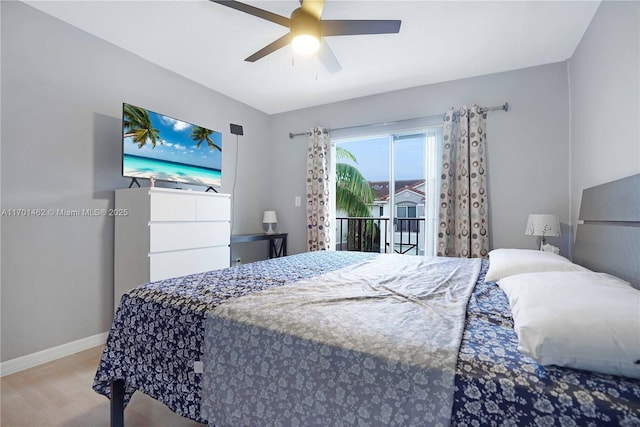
270,230
543,241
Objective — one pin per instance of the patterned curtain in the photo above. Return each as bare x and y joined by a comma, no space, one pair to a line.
463,229
318,191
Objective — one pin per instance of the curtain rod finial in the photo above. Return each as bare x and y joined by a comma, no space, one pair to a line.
505,107
290,135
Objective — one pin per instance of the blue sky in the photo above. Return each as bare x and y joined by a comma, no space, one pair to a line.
373,158
177,145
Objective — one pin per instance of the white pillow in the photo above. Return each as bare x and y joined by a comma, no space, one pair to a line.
507,262
583,320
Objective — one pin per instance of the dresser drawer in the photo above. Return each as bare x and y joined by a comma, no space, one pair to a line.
186,235
213,208
172,207
180,263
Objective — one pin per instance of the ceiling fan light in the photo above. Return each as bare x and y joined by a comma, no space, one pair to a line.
305,44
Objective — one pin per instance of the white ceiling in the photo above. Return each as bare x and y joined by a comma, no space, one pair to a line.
438,41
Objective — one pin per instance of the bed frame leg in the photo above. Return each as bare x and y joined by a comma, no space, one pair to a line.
117,403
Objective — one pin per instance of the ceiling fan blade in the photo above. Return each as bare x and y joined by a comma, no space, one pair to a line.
328,59
355,27
260,13
313,7
270,48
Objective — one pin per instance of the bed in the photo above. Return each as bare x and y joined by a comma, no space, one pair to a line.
218,348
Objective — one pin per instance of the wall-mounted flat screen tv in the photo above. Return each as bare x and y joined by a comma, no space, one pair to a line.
168,149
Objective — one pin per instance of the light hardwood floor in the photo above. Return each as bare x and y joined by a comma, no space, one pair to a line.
59,394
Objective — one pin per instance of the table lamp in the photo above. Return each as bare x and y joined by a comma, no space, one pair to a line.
542,225
270,218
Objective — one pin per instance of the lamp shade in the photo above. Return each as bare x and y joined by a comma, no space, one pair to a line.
543,225
306,32
269,217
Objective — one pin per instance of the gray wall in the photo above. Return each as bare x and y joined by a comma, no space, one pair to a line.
61,135
605,100
528,146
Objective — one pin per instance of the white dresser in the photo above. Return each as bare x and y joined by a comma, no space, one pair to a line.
162,233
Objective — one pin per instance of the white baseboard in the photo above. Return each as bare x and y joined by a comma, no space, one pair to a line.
34,359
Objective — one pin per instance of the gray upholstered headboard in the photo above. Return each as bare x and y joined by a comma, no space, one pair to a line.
609,239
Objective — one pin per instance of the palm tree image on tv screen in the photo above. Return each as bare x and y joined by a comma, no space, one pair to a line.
169,149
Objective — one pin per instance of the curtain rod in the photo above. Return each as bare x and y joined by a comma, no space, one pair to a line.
504,107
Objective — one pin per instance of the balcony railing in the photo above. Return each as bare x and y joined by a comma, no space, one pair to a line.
373,235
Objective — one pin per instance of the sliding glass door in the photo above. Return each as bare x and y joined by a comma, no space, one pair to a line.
386,192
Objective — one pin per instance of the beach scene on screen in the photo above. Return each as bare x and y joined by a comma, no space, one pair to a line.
169,149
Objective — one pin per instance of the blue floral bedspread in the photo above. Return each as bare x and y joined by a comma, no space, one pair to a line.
157,331
371,344
157,335
498,385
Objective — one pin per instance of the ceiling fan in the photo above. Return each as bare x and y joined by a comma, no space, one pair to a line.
307,29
